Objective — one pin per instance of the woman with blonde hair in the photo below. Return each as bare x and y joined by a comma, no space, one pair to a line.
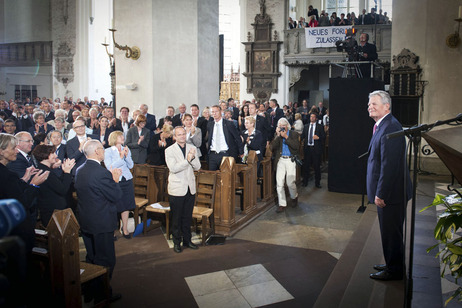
118,156
138,140
298,124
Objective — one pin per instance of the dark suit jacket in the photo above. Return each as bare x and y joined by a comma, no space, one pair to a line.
176,120
202,124
97,195
385,166
371,51
8,112
72,151
318,131
235,113
150,122
256,142
97,132
139,151
24,124
12,187
273,120
233,140
20,165
118,126
156,154
61,155
50,116
52,194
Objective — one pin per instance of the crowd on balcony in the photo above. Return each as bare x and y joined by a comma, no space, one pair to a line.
323,19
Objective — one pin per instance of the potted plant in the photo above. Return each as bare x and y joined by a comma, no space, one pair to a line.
449,222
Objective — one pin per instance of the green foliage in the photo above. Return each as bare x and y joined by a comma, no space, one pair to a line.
448,224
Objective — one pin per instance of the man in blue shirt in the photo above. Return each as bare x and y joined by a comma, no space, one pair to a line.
285,146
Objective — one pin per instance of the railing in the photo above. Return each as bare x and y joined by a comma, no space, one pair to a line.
26,54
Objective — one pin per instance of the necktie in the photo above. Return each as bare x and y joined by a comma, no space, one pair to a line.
310,135
375,128
218,138
28,158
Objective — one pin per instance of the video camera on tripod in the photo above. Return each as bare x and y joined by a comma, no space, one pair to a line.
349,45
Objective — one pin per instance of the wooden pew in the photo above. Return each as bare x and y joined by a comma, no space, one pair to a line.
266,180
246,182
64,262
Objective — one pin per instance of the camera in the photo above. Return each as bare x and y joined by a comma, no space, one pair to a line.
349,45
282,129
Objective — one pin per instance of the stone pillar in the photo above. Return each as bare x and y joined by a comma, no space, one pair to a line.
179,53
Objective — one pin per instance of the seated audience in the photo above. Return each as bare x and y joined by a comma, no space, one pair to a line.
40,125
138,140
53,190
9,127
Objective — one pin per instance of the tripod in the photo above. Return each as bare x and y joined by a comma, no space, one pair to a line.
351,70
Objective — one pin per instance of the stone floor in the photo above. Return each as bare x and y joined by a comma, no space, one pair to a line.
281,253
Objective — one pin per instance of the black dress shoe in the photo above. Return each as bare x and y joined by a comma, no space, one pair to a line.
191,245
380,267
318,186
386,275
127,236
177,248
280,209
295,202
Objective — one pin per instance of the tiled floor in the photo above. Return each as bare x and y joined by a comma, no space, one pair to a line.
249,286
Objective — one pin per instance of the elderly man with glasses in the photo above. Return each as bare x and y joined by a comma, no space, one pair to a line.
75,145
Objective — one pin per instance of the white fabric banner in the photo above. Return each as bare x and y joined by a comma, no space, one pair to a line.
324,36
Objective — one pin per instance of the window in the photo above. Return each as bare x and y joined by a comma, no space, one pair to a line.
342,6
25,91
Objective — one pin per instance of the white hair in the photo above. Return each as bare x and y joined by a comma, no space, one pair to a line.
384,96
284,122
90,147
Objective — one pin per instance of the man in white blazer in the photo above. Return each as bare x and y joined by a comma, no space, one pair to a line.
181,161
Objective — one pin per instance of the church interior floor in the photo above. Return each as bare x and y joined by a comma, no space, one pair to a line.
278,260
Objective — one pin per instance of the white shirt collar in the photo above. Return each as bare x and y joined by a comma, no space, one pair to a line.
380,120
23,153
94,160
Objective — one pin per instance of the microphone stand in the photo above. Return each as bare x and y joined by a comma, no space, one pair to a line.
362,208
414,134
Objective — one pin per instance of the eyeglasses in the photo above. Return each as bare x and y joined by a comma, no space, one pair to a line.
29,141
80,126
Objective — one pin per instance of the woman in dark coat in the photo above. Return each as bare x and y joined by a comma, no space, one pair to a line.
103,131
13,187
54,190
159,142
137,140
253,141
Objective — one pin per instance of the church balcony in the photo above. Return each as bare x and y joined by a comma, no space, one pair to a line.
296,53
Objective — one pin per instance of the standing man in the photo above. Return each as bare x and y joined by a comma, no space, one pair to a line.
23,159
178,118
98,193
321,110
200,122
169,112
181,161
313,140
224,139
367,52
49,114
74,146
275,113
150,118
285,146
385,184
232,107
261,124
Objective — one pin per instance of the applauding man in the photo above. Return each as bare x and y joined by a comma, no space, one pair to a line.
181,161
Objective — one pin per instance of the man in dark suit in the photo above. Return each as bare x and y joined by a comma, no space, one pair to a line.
23,159
74,146
178,118
170,112
275,113
386,179
321,110
234,110
114,123
367,52
98,192
4,109
200,122
46,107
150,118
224,139
55,137
313,143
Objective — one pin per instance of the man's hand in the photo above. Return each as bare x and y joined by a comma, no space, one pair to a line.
379,202
191,154
29,172
284,134
116,173
315,137
364,55
67,165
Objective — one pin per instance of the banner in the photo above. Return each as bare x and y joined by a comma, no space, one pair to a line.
324,36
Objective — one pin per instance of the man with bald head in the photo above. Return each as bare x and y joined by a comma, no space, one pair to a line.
150,118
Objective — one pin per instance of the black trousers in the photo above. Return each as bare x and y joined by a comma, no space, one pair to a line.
100,249
215,160
182,208
391,219
311,158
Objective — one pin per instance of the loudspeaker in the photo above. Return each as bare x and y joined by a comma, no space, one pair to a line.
350,131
